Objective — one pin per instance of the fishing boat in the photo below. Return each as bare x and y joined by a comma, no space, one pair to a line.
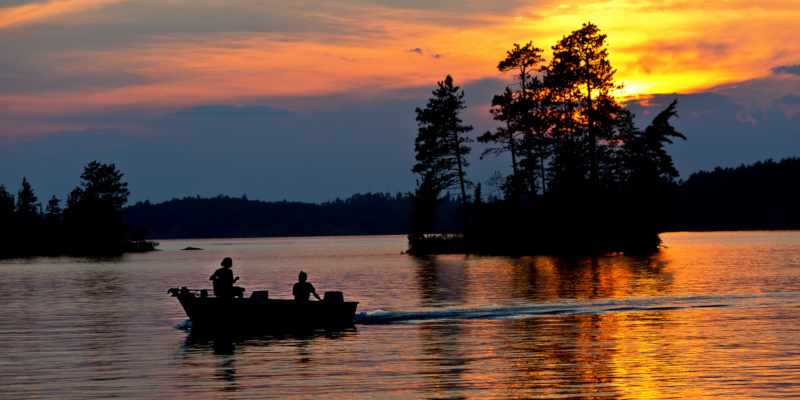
259,312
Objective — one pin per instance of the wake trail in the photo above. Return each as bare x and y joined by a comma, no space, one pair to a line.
574,307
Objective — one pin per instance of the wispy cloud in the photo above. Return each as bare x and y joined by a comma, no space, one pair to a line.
48,11
232,111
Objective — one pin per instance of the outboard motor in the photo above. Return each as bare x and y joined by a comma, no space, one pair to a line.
334,297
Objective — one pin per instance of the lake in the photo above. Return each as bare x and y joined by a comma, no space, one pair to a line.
713,315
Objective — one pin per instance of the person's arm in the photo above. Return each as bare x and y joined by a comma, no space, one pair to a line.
314,292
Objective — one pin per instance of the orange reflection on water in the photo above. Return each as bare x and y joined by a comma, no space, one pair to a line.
460,280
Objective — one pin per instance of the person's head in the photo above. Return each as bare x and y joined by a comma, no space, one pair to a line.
226,262
302,277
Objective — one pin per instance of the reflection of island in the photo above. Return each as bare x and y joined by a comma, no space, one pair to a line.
441,281
447,366
558,355
444,281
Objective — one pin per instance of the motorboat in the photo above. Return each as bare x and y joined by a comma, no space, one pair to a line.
236,312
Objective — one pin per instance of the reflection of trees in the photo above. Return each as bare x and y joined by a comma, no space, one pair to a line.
587,355
546,277
446,362
596,356
442,280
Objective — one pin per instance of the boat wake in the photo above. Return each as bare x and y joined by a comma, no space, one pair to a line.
601,306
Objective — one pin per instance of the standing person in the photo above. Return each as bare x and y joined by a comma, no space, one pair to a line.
302,290
223,279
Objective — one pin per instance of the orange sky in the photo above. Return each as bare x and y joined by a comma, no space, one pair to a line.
365,49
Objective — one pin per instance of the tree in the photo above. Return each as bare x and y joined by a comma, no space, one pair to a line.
7,223
101,182
583,82
425,201
522,111
93,216
441,147
27,206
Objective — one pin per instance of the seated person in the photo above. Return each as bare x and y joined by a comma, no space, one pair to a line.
302,290
223,279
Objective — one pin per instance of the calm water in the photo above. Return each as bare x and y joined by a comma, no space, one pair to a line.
713,315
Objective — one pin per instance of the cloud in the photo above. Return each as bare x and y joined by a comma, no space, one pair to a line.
790,99
417,50
37,12
232,111
787,69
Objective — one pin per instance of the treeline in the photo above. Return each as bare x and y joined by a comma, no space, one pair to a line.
230,217
584,179
762,196
759,196
90,224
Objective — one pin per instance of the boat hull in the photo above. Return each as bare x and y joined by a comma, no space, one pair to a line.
216,313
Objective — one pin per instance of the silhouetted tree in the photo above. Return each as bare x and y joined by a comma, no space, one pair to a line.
28,220
8,224
27,206
523,112
646,181
581,80
441,147
53,209
93,216
425,200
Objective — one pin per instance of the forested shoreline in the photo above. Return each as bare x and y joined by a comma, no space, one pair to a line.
90,224
762,196
231,217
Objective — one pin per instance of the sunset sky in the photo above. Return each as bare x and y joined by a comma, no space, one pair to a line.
311,100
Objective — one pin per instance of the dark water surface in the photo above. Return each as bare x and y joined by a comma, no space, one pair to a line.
712,315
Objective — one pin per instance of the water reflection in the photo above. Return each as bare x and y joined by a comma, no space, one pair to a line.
587,355
219,359
446,360
449,281
712,316
442,281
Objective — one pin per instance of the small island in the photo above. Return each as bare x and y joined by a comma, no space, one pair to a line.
90,225
584,179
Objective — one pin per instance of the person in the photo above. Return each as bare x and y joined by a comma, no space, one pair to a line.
223,279
303,290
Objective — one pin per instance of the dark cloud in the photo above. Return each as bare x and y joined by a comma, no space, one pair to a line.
232,111
789,99
417,50
793,69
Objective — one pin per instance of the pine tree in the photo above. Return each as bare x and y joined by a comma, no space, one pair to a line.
441,147
27,206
